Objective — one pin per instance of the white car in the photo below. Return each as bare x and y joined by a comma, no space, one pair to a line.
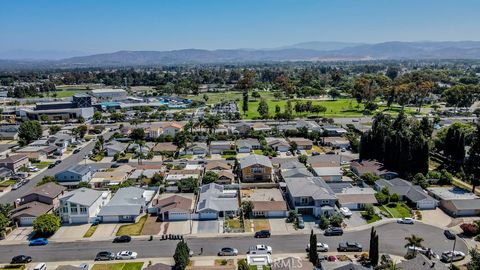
33,169
260,249
406,220
345,211
449,256
321,247
126,255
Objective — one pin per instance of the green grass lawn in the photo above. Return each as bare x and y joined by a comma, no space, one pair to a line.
7,183
97,157
41,164
229,156
372,219
399,211
118,266
258,151
233,223
90,231
132,229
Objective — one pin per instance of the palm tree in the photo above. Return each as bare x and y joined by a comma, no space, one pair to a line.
413,241
212,122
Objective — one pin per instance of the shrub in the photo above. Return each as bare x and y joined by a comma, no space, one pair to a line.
469,229
46,224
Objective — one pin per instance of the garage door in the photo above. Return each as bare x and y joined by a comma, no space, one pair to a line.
177,216
208,215
79,220
426,205
352,206
26,221
108,219
276,214
305,211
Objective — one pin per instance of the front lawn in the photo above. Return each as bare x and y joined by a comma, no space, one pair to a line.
41,164
132,229
7,183
90,231
396,210
118,266
233,223
261,224
371,219
97,157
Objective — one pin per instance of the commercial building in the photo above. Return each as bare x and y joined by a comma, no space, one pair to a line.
79,106
108,94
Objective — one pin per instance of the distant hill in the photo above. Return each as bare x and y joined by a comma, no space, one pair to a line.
309,51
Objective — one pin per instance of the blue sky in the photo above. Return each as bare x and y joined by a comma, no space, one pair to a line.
94,26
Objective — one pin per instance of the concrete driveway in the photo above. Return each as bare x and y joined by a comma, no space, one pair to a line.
20,234
179,227
355,220
206,226
69,232
106,231
436,217
279,226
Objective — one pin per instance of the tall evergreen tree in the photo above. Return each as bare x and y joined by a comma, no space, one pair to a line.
245,101
312,252
373,252
181,256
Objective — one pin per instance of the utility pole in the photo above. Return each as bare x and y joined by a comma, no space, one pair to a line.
453,252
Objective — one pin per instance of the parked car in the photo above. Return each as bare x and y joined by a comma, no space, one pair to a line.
76,151
228,251
449,234
58,162
345,212
52,165
321,247
21,259
300,222
105,256
126,255
122,239
262,234
332,231
406,220
33,169
260,249
349,246
332,258
449,256
115,165
39,242
17,185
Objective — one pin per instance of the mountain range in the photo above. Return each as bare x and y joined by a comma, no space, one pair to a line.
308,51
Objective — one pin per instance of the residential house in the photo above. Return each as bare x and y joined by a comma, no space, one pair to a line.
108,178
225,177
217,165
173,207
247,145
127,205
5,173
332,130
217,147
153,132
196,148
331,174
82,205
310,196
74,175
174,176
37,152
215,201
309,125
258,126
241,128
172,128
9,132
166,147
371,166
296,172
47,193
256,168
114,148
455,201
278,144
342,265
269,209
356,198
15,162
336,142
25,214
301,143
413,194
421,262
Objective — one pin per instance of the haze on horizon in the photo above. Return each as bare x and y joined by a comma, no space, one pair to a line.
69,28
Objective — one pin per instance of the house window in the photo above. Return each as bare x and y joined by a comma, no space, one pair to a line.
83,210
65,209
303,200
256,170
73,209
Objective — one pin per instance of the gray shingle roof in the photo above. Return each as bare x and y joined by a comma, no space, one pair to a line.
212,198
313,187
255,159
80,169
297,172
420,262
404,188
82,196
127,201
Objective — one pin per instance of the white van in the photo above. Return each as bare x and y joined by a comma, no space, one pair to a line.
40,266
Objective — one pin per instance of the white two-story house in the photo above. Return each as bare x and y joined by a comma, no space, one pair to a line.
82,205
310,196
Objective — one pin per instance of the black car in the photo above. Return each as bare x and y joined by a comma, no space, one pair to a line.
349,246
262,234
122,239
76,151
51,165
21,259
115,165
105,256
449,234
57,162
332,231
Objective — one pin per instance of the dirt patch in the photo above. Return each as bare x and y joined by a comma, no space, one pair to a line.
151,227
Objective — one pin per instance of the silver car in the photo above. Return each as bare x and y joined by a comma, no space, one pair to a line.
228,251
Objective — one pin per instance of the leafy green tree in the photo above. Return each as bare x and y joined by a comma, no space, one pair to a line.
54,129
474,263
188,184
181,256
209,177
303,159
312,251
29,131
97,116
4,222
336,220
263,109
242,265
394,197
137,134
324,222
80,131
6,208
420,180
369,211
247,208
180,140
46,224
472,165
46,179
369,178
44,118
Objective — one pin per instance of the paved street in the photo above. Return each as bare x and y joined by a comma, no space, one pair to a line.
391,241
72,160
